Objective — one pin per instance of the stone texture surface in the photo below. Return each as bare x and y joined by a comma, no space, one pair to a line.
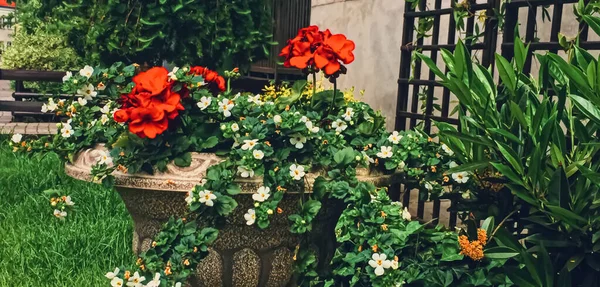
247,265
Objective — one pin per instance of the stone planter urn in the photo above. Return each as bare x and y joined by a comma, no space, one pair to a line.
242,256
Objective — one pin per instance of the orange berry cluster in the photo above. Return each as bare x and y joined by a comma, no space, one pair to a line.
473,249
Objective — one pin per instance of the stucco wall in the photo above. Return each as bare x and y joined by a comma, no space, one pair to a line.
375,27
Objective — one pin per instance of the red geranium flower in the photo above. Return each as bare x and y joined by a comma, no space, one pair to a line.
319,50
150,105
209,76
148,122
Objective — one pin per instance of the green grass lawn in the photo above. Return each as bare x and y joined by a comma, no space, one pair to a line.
37,249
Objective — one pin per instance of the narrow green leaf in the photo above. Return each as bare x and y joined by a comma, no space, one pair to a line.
507,73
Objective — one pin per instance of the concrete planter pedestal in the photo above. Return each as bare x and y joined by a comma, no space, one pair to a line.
242,256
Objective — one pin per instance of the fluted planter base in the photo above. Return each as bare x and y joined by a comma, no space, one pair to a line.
242,255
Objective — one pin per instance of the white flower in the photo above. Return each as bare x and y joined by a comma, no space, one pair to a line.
190,197
116,282
225,106
16,138
447,150
102,157
60,214
237,96
82,101
255,99
93,123
310,127
205,103
466,194
206,197
304,119
429,186
111,275
172,74
298,141
380,263
87,92
105,109
87,71
155,282
452,164
258,154
101,86
67,76
406,215
348,114
277,119
235,127
339,125
395,137
394,264
249,144
386,152
136,280
245,172
460,177
50,107
68,201
104,119
178,284
296,171
367,158
401,165
262,194
250,216
66,131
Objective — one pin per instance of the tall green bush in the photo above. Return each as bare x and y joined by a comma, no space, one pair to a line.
213,33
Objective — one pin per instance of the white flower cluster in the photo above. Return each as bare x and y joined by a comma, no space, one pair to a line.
380,263
134,281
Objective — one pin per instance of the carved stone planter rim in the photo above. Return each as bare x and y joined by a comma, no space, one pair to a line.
183,179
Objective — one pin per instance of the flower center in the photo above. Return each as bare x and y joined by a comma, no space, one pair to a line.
379,262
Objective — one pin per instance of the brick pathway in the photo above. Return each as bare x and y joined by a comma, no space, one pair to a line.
7,127
28,128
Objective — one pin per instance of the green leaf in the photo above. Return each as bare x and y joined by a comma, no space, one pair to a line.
210,142
508,172
566,215
469,166
345,156
432,66
574,261
521,277
587,108
506,134
500,252
511,156
488,225
507,73
233,189
593,22
558,188
520,53
184,160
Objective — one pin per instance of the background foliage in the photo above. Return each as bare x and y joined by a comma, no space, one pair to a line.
213,33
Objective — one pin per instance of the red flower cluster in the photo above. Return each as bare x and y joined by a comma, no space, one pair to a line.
150,105
209,76
318,50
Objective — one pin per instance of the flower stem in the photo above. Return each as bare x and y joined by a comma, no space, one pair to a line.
314,74
334,94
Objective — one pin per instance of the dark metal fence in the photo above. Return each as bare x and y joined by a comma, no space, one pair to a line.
418,92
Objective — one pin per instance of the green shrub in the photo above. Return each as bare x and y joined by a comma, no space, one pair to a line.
213,33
